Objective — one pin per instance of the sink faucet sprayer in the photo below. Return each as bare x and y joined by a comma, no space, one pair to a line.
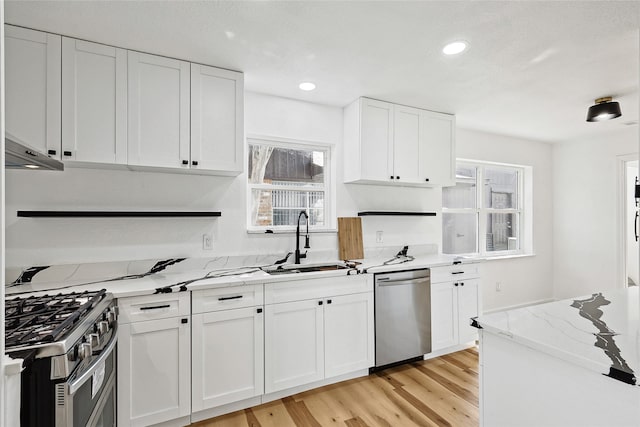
306,244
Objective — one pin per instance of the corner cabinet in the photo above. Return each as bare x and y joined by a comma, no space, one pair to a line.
398,145
94,103
455,299
32,88
154,360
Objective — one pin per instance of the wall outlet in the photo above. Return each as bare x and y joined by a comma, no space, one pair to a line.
379,238
498,286
207,242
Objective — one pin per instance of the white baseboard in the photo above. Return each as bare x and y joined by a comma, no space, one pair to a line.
178,422
295,390
225,409
449,350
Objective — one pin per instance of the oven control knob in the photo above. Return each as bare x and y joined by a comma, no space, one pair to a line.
103,327
84,351
111,317
93,340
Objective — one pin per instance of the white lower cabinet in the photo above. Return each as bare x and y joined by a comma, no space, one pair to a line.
316,339
154,359
227,357
452,305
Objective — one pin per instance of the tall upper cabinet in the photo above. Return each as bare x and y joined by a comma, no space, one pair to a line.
158,111
32,88
393,144
217,110
94,102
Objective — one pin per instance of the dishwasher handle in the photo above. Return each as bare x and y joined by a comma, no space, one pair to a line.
404,282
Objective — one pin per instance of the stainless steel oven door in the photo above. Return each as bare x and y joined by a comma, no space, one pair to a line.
89,399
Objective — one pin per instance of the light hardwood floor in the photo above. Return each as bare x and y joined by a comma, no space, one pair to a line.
431,393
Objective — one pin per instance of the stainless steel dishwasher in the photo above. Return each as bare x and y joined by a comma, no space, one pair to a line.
403,316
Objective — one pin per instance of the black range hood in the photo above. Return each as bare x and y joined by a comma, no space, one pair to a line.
20,156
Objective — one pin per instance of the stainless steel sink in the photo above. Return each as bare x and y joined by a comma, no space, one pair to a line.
296,268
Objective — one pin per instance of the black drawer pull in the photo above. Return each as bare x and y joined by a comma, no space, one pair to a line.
67,153
397,177
259,310
319,302
52,152
185,162
462,284
457,272
228,298
455,284
194,163
391,177
155,307
328,301
426,179
184,321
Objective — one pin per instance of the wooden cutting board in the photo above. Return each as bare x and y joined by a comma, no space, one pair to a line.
350,238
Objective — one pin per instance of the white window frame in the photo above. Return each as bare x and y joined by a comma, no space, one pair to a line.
523,211
328,187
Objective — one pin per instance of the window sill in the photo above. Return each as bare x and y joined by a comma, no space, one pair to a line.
293,231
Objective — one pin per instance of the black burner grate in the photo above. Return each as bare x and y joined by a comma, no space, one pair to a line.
47,318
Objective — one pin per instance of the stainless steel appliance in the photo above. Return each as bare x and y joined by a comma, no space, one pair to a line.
403,316
18,155
68,342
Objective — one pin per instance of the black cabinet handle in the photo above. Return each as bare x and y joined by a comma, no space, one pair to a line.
185,162
455,284
426,179
52,152
319,302
67,153
228,298
259,310
397,177
328,301
461,283
391,177
635,225
194,163
184,321
457,272
155,307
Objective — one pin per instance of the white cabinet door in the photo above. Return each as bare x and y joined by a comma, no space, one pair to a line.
376,139
294,350
94,102
158,111
227,357
217,132
406,143
349,334
32,88
154,371
468,298
437,148
444,315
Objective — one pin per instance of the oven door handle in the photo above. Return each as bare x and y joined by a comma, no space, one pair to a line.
403,282
106,351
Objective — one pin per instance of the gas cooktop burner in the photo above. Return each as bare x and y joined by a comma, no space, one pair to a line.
45,319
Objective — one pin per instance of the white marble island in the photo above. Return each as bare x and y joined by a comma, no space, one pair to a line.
567,363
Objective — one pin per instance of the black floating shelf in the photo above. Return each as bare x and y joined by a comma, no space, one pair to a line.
395,213
116,214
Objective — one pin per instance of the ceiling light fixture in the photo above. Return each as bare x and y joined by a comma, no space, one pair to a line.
454,48
603,110
307,86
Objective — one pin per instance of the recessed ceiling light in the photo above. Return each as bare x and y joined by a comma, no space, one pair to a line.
454,48
307,86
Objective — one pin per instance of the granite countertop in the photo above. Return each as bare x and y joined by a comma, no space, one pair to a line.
600,332
135,278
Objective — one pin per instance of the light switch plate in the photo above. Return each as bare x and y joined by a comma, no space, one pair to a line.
207,242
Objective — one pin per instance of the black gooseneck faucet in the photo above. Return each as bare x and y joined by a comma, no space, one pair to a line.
306,244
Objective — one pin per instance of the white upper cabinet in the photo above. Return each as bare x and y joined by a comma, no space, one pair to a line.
158,111
32,88
94,102
217,111
398,145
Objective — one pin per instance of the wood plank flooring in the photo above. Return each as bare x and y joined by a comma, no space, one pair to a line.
440,392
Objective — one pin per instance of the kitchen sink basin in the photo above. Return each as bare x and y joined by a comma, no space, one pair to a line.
293,269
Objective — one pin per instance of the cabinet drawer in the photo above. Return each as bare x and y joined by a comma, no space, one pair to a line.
226,298
300,290
152,307
454,272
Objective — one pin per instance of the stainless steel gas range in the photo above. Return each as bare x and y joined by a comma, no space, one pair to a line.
68,342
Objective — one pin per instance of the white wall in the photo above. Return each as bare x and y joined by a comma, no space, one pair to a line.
527,279
586,249
53,241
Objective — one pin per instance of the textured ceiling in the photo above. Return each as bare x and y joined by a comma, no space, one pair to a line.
532,68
